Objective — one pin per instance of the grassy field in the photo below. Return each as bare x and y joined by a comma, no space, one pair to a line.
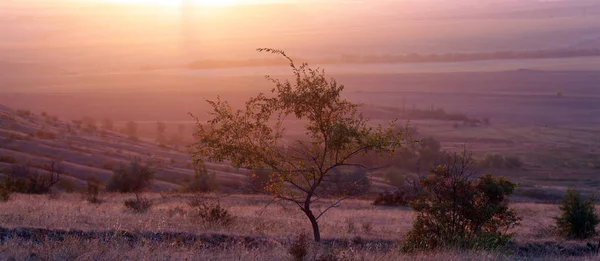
260,231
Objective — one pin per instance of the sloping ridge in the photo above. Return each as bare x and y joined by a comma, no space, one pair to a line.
38,140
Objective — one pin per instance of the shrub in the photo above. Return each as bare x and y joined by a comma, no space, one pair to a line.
578,218
46,135
396,177
457,212
26,180
132,178
67,185
5,189
496,161
109,165
352,181
93,190
300,246
400,197
24,113
202,182
8,159
542,194
139,204
211,213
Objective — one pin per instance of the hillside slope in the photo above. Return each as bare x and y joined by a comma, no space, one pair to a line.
86,150
38,140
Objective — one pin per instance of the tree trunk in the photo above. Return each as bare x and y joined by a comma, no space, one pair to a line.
315,225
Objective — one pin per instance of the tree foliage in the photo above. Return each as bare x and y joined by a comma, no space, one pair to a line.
254,137
457,211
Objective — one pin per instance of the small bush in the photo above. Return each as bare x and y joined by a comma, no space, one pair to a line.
203,181
211,213
457,212
300,246
132,178
396,177
93,190
46,135
176,211
67,185
26,180
578,218
367,227
350,181
5,190
24,113
108,165
8,159
544,195
400,197
139,204
496,161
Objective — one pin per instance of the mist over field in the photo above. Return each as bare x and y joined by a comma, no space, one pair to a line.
92,91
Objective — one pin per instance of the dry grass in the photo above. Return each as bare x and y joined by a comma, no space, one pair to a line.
278,223
170,214
74,249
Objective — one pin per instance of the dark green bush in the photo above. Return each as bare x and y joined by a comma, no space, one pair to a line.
8,159
24,113
578,218
131,178
139,204
203,181
396,177
300,246
93,190
401,197
457,212
497,161
6,189
24,179
346,181
211,213
67,185
46,135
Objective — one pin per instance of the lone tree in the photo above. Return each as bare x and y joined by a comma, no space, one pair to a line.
335,136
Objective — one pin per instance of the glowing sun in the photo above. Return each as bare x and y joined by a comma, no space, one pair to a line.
191,2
